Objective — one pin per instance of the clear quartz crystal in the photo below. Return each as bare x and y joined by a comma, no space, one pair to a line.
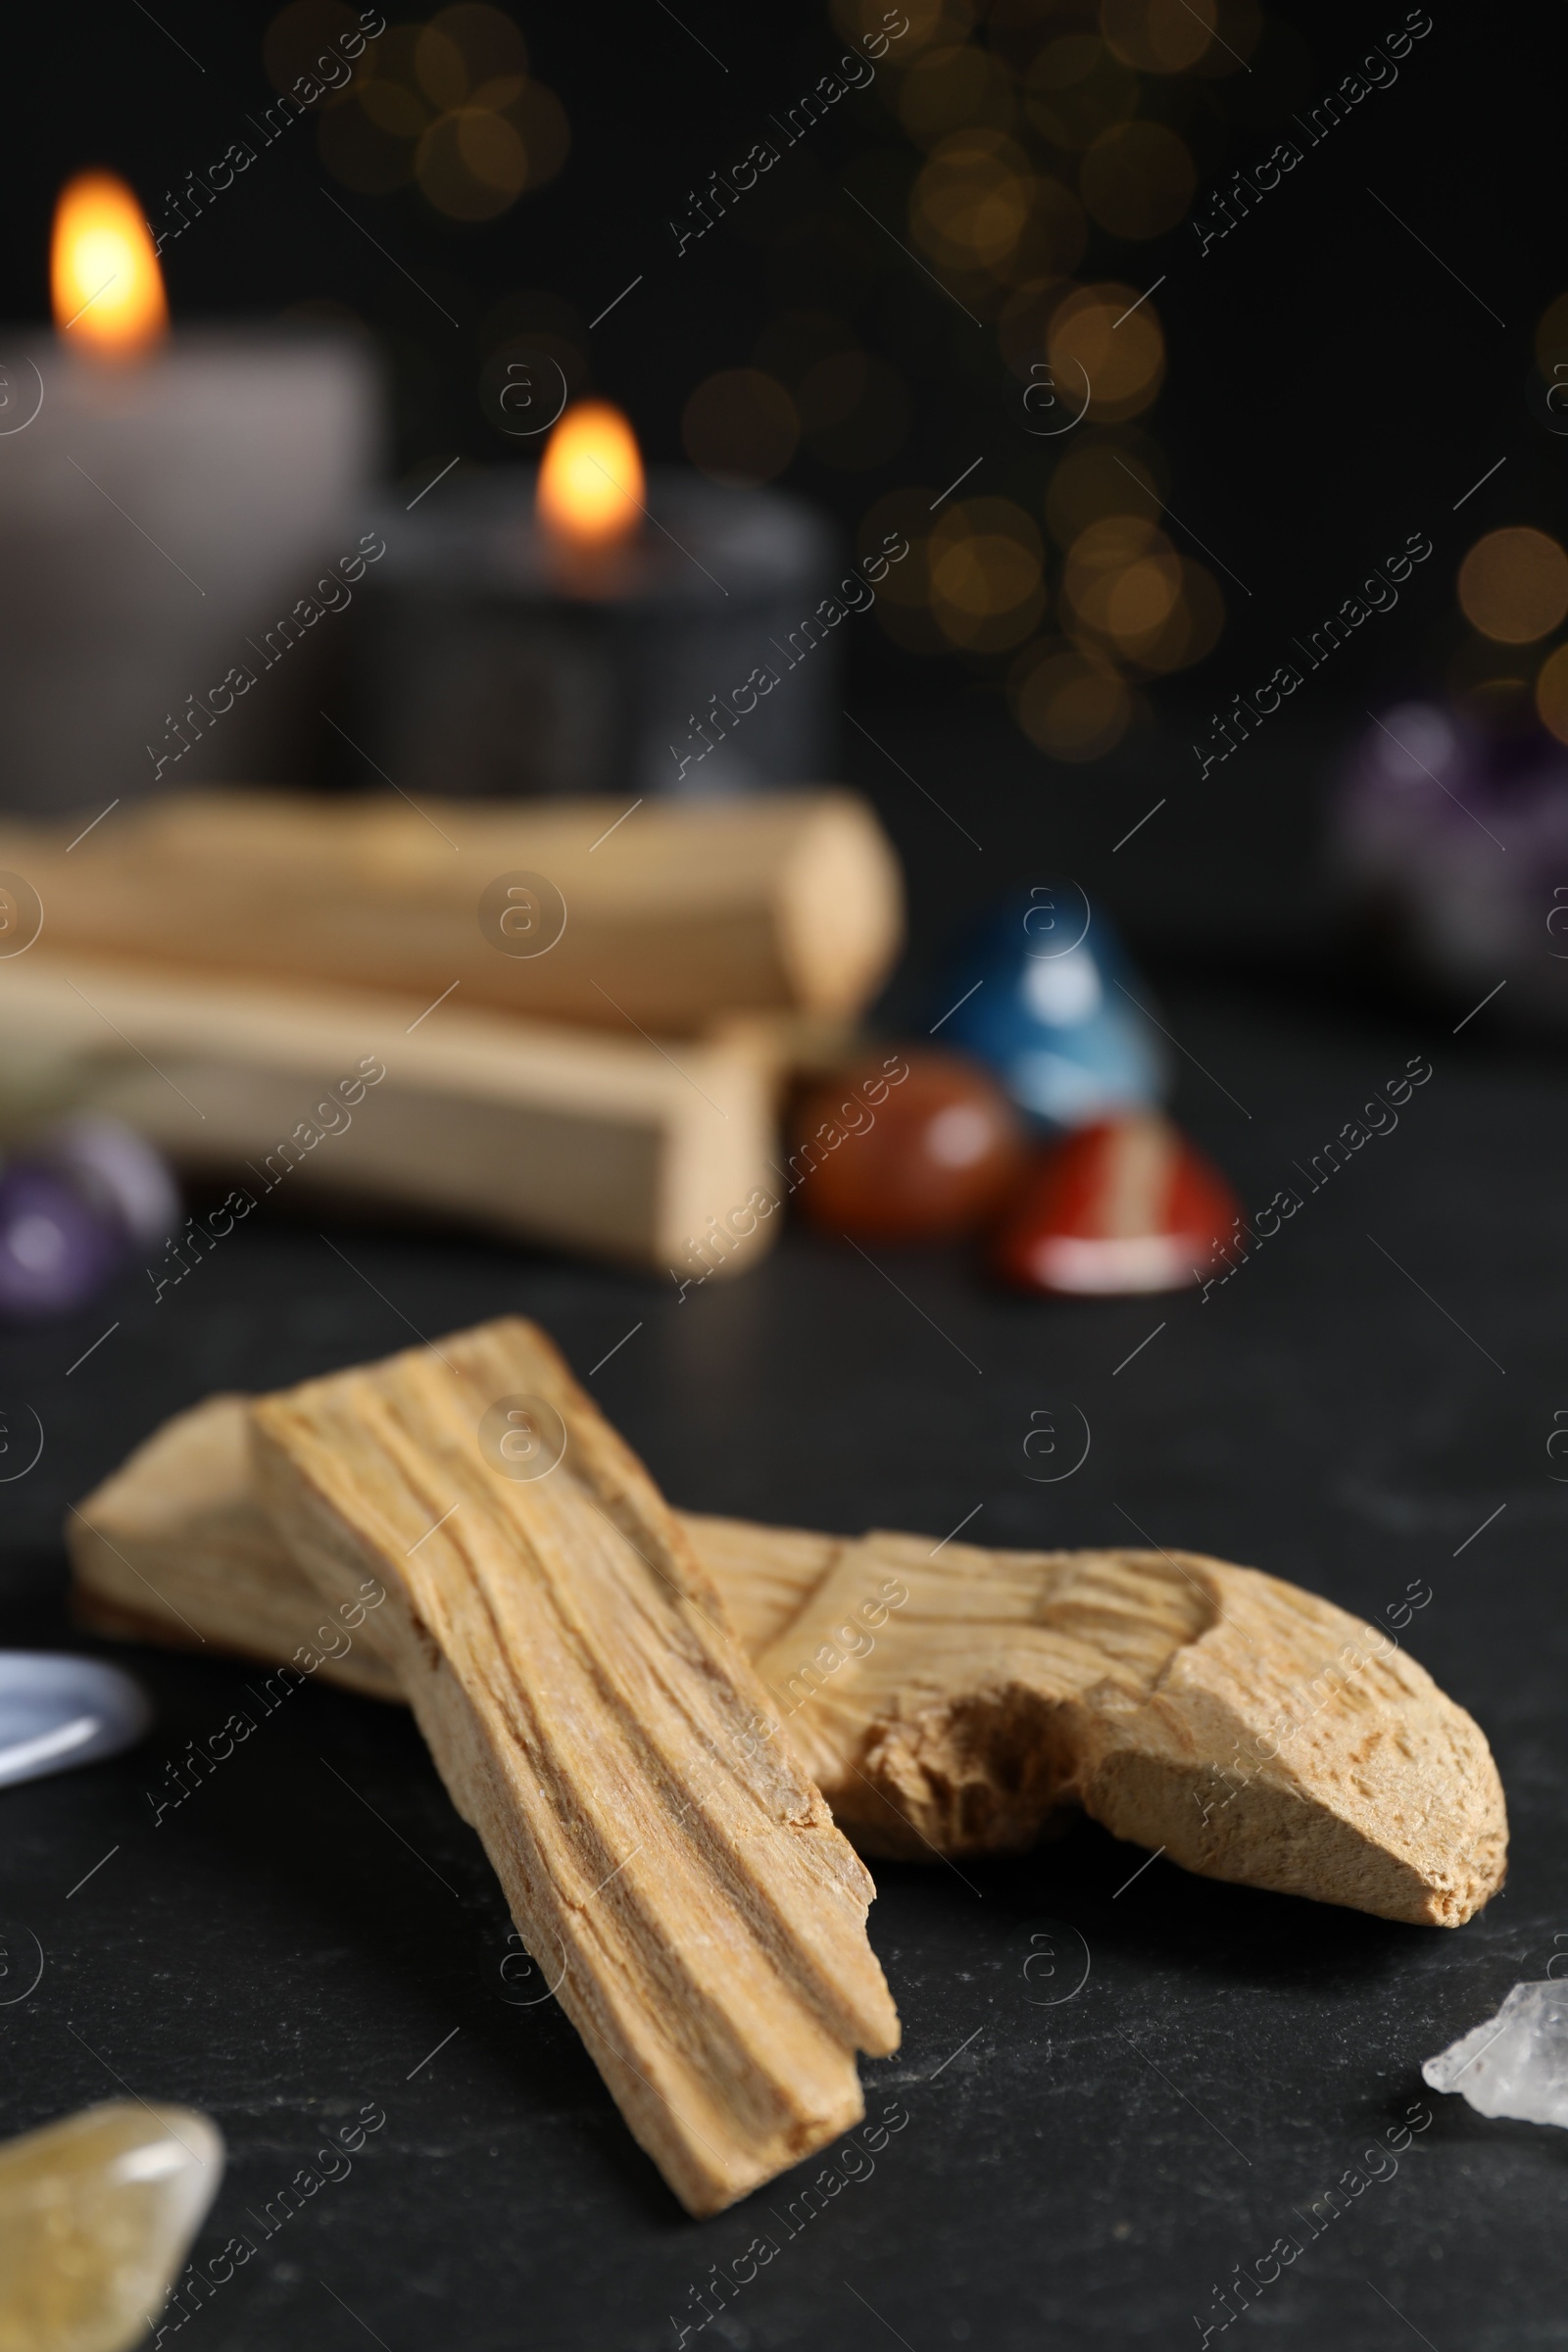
1517,2062
96,2214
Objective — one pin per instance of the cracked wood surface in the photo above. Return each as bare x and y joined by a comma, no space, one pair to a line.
572,1671
1255,1731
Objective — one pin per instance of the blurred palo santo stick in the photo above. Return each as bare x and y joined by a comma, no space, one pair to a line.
610,1144
660,915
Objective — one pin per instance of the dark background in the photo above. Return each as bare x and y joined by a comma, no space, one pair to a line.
1085,2174
1330,387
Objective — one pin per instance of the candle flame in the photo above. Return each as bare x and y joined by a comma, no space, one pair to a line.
106,287
590,481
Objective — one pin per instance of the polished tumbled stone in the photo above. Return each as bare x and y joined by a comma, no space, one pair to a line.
58,1710
96,2214
1515,2063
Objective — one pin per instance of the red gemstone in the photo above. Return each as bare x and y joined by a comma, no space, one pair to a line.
912,1147
1124,1206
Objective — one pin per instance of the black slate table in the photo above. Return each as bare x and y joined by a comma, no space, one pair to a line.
1119,2086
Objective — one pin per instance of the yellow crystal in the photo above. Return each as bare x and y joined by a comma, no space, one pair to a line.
96,2214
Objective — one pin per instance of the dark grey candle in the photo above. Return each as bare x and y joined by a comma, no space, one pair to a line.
699,657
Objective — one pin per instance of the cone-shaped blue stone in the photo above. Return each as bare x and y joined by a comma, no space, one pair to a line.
60,1711
1043,992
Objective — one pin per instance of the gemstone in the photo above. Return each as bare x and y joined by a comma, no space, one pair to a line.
903,1159
96,2214
118,1172
55,1249
1427,803
1515,2063
58,1711
1123,1206
1043,994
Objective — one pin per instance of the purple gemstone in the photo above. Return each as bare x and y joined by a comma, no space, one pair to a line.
55,1250
1454,844
116,1171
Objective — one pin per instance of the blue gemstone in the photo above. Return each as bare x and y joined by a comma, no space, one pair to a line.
1044,994
60,1711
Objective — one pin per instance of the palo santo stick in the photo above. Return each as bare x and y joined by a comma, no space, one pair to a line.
174,1548
674,913
601,1143
1249,1729
1255,1732
572,1672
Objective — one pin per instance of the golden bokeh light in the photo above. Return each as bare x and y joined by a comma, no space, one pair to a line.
970,204
471,164
448,105
368,144
1551,334
394,107
590,493
1072,704
1192,629
1040,123
956,89
1158,36
105,282
987,586
1024,325
1238,29
1551,693
1124,363
740,426
928,21
1121,579
1513,585
1100,477
1138,180
1076,89
463,47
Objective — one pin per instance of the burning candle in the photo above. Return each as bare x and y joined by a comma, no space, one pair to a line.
104,277
580,627
180,517
590,493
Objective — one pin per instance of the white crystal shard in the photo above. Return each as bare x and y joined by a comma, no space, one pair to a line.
1517,2062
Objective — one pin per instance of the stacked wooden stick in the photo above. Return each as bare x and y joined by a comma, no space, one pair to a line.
581,1011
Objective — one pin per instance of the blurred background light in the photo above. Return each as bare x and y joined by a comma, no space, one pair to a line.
1513,585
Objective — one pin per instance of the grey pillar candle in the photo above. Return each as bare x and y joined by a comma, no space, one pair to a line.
175,517
160,522
692,659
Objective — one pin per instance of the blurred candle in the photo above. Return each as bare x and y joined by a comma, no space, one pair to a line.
587,629
168,504
591,488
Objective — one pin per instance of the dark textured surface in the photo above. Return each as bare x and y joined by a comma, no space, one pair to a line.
289,1946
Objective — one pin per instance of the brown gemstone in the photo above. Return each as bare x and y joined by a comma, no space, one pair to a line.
907,1147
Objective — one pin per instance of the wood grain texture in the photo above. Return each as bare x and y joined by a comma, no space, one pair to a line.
675,913
1249,1730
1252,1730
608,1144
572,1671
